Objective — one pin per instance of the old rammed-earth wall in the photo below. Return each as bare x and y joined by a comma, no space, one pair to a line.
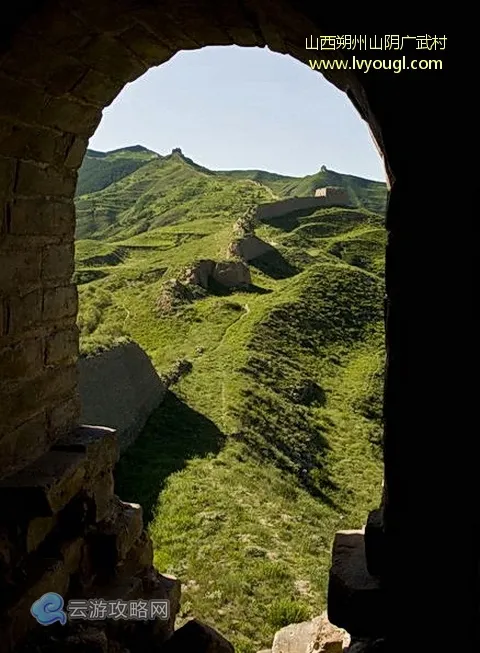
294,204
119,388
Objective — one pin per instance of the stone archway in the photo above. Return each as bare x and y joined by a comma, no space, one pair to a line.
60,65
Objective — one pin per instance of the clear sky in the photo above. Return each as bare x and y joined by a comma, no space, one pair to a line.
242,108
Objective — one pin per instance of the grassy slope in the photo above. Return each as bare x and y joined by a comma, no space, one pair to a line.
245,485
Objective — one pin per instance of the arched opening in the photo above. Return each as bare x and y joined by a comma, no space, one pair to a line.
59,68
280,396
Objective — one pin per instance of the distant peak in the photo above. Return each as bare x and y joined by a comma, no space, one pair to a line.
177,150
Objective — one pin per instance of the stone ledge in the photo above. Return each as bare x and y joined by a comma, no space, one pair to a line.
98,443
356,601
44,487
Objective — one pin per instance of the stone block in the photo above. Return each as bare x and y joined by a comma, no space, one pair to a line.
60,302
110,57
145,45
71,552
58,262
116,535
71,116
24,400
197,636
20,269
45,486
75,152
42,218
24,359
7,176
232,274
23,443
139,558
24,312
62,346
97,89
37,531
356,601
32,143
21,101
64,415
44,180
317,635
97,443
101,492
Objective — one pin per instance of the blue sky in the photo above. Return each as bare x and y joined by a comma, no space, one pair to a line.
241,108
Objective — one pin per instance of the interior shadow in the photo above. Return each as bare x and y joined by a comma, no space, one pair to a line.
274,265
174,434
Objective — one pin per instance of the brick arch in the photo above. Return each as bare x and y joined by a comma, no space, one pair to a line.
61,63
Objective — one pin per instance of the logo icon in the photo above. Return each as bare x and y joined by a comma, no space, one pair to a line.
48,609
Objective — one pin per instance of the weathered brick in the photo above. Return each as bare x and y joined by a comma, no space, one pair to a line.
116,535
23,444
173,36
7,175
24,312
24,401
46,486
44,180
21,101
62,347
76,152
145,45
100,17
33,143
4,217
58,262
32,217
101,491
64,415
71,116
20,360
60,302
98,443
32,60
96,88
60,29
110,57
20,269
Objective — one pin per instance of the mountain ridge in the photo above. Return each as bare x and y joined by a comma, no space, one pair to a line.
135,189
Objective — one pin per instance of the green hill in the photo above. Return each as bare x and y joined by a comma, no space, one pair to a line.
271,442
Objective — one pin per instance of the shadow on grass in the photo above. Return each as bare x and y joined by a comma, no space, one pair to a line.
274,265
218,290
174,434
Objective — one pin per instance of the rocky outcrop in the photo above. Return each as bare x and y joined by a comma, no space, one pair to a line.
199,273
232,274
119,388
174,295
316,636
249,248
